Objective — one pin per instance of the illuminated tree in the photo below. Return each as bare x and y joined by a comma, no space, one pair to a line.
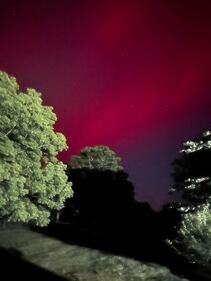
192,170
192,175
194,235
32,180
99,157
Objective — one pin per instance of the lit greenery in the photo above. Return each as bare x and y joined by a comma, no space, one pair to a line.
32,180
192,175
194,235
98,157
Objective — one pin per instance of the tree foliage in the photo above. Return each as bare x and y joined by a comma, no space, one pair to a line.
192,170
32,180
192,175
99,157
194,234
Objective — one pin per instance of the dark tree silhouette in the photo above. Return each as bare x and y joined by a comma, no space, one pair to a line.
169,220
192,170
106,199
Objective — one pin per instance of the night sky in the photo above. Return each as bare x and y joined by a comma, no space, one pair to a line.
133,75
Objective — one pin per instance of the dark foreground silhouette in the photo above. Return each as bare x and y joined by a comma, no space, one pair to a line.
104,215
13,267
105,199
128,244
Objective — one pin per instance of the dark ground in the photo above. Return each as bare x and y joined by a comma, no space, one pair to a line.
80,253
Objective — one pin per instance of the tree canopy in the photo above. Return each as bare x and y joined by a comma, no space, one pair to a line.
192,170
99,157
193,239
32,180
192,175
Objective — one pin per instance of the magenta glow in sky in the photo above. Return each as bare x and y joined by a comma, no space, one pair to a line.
134,75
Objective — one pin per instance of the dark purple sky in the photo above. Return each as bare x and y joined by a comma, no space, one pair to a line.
134,75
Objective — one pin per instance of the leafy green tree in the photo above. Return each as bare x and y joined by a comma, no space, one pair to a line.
192,175
194,234
32,180
98,157
192,170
